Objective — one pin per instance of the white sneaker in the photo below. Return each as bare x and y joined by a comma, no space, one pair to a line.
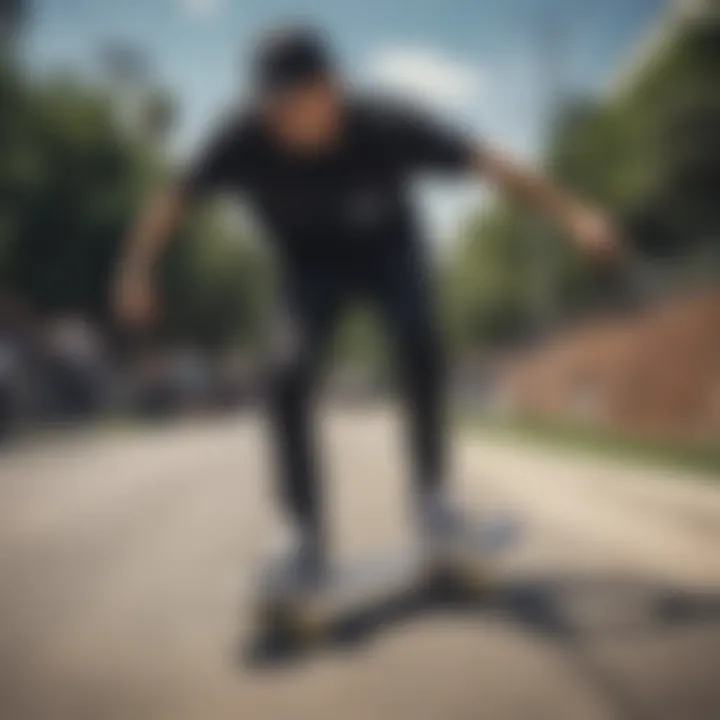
297,560
444,531
448,535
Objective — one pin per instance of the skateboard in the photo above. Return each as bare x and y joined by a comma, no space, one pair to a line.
357,594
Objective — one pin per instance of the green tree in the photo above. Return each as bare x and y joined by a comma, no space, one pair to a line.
72,177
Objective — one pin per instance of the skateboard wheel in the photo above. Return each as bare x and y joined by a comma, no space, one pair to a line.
474,579
308,628
458,577
292,624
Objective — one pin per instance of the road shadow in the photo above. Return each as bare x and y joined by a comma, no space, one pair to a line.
572,611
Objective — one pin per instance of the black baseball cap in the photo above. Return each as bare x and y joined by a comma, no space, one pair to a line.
290,58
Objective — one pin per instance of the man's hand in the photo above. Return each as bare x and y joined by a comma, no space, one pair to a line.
134,299
596,235
594,232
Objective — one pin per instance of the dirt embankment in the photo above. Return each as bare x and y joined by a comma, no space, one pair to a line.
654,373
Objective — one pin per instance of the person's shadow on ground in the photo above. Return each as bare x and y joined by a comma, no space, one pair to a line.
572,611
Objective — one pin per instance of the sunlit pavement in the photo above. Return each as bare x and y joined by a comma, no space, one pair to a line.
126,558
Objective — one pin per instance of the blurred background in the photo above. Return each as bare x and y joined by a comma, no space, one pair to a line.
100,101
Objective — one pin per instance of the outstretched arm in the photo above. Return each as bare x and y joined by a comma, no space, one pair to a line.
133,293
134,298
593,231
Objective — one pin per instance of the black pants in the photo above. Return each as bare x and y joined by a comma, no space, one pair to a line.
396,284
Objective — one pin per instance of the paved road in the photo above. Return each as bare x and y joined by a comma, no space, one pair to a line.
125,559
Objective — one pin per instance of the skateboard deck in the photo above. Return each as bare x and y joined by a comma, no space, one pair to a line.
354,590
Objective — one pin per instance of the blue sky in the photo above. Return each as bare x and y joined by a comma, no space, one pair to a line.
478,60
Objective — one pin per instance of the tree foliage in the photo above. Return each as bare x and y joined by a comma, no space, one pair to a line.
73,174
650,155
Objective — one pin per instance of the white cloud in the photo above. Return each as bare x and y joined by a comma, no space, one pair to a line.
202,8
426,75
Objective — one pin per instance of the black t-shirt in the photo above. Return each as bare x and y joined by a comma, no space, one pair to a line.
339,203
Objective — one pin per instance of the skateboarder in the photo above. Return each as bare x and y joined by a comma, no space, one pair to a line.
328,173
